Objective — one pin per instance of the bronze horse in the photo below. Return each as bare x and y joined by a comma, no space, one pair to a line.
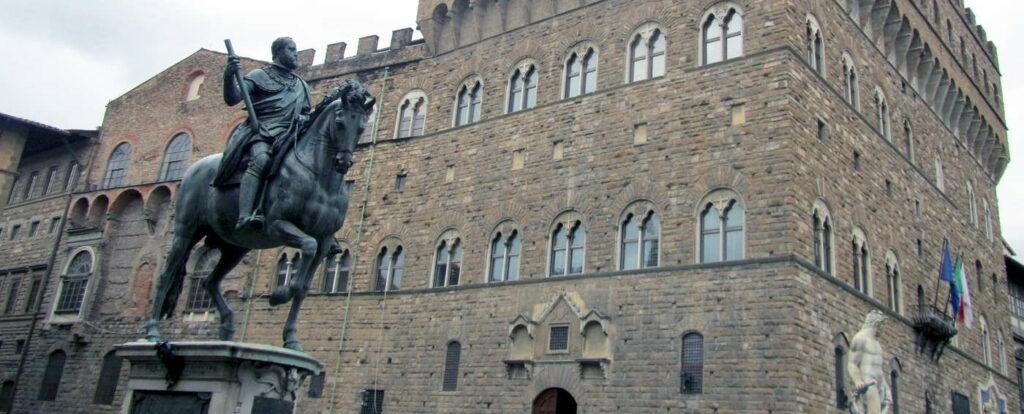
305,205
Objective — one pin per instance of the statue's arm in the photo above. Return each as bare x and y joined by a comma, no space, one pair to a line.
232,94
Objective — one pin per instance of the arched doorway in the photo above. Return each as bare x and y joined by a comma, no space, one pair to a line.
554,401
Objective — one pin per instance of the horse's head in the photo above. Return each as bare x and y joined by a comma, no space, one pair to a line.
344,112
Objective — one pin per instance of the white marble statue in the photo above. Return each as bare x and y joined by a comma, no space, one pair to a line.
871,393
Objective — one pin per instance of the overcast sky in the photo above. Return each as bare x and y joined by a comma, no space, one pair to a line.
66,59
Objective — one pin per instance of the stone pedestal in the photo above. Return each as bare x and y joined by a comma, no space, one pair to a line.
214,377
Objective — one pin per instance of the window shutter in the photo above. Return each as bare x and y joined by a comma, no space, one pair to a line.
451,367
51,377
107,384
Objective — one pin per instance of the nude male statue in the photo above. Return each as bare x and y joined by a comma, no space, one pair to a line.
865,368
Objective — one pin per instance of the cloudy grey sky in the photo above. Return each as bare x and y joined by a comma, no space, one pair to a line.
67,58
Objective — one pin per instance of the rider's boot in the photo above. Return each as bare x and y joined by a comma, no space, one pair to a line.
246,202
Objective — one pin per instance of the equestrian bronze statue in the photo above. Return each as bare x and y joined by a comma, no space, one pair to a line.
280,182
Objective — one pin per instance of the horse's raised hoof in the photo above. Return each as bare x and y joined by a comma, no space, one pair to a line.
281,295
294,346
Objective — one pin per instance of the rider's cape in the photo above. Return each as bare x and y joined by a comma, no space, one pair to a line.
278,98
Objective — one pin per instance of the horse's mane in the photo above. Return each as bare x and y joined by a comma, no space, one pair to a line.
351,93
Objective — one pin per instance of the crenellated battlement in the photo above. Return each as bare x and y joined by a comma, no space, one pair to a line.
368,55
449,24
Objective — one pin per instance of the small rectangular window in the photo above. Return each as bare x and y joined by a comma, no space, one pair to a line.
19,346
373,402
856,160
400,182
30,184
739,114
15,232
961,405
822,131
33,229
640,134
349,185
54,224
449,174
518,159
558,150
888,187
559,340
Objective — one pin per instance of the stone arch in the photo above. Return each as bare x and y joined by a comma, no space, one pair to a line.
98,211
123,200
158,207
79,212
412,98
596,343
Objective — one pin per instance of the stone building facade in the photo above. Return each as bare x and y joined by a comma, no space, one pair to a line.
606,206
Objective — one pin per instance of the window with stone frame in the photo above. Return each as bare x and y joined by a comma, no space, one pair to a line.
894,387
30,185
336,274
372,402
176,157
850,82
7,396
74,282
815,45
370,129
961,404
883,122
691,372
988,221
412,115
894,279
972,205
568,246
390,266
71,179
839,364
558,338
639,238
647,54
453,355
823,239
12,294
722,34
580,72
861,260
51,180
448,260
506,247
1017,300
199,299
468,103
52,376
106,385
721,227
12,194
33,294
522,87
117,165
908,140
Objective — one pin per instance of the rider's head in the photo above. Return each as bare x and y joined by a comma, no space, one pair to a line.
284,52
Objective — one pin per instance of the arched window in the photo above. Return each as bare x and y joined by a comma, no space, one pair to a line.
117,165
647,55
861,264
815,47
505,250
74,282
895,283
336,273
850,83
468,104
176,158
370,130
722,35
980,275
107,383
822,223
71,179
691,373
581,73
839,362
986,342
412,115
448,262
390,266
199,298
522,88
721,228
908,139
988,220
639,242
193,87
894,390
7,396
452,356
568,244
51,377
972,203
884,127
